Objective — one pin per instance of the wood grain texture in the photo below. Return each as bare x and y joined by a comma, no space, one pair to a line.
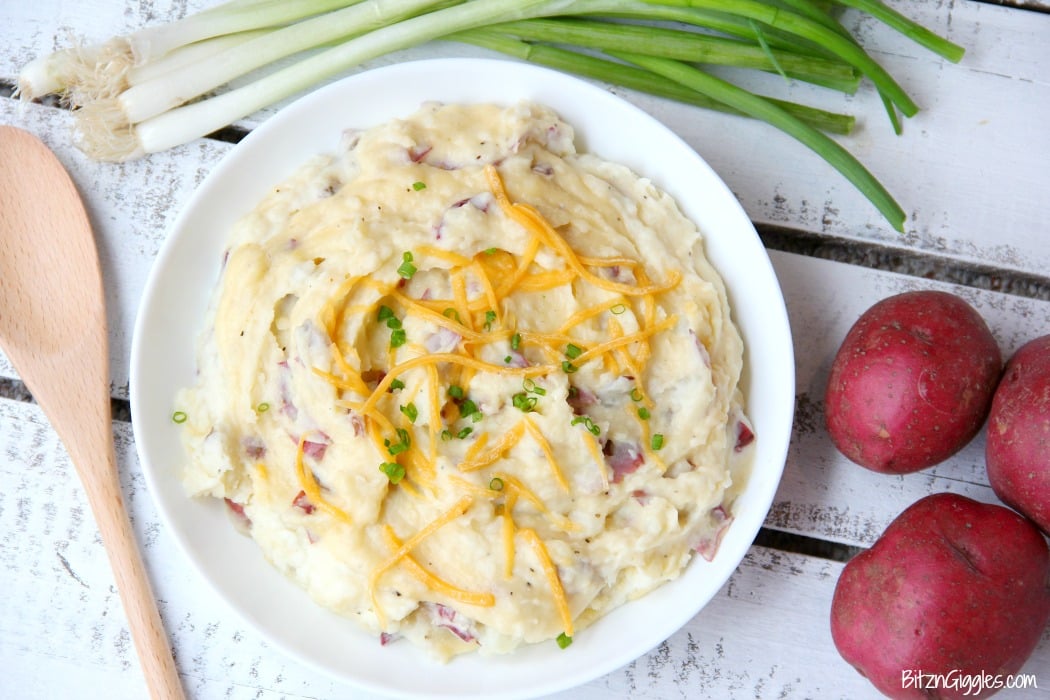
57,338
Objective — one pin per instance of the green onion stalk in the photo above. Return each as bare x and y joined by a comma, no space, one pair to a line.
163,86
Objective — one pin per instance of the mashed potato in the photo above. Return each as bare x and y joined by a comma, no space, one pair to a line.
468,386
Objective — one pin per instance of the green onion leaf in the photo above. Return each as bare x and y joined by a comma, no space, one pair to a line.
419,185
410,411
385,312
262,408
515,341
398,338
568,367
490,318
573,351
564,640
496,484
397,384
657,441
464,432
643,413
179,417
455,392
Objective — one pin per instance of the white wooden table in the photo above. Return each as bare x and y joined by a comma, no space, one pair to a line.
970,171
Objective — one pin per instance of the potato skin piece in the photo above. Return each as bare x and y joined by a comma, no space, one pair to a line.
952,586
912,383
1017,452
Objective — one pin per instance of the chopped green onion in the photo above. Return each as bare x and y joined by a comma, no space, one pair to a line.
451,313
262,408
490,318
397,384
404,442
490,251
564,640
397,448
573,351
588,423
523,402
419,185
468,408
496,484
398,338
410,411
393,323
636,394
657,441
406,270
515,341
643,413
530,385
394,471
385,312
179,417
464,432
618,309
568,367
507,359
446,434
455,391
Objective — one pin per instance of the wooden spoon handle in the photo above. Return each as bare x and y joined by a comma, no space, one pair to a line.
140,606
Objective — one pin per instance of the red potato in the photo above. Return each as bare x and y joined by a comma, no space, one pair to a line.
1018,449
912,382
953,594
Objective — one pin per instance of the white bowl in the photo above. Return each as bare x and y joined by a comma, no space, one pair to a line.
172,313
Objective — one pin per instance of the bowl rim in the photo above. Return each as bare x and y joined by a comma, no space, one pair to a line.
532,82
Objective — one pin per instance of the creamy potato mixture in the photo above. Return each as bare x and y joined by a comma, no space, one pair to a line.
468,386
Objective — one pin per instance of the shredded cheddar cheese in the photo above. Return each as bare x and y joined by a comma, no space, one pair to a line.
484,459
557,590
310,486
497,276
434,582
479,320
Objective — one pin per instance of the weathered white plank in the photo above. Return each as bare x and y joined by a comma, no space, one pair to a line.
822,494
63,633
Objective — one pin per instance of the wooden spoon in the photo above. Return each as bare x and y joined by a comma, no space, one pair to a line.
53,329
